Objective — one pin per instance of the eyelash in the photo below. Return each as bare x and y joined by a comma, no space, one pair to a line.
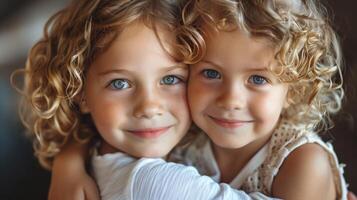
252,79
178,78
260,78
112,84
206,72
125,83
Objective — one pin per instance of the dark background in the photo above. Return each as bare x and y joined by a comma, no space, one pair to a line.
21,24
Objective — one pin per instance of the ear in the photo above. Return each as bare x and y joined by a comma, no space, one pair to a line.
83,106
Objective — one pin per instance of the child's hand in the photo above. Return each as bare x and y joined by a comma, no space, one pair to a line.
69,177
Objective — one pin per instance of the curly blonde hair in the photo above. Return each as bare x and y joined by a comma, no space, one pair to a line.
308,50
56,65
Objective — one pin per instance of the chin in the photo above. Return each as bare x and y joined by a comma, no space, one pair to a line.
153,153
230,144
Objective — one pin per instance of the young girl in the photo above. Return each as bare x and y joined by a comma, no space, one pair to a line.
110,68
263,100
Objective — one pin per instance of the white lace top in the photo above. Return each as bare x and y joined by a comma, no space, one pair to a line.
259,172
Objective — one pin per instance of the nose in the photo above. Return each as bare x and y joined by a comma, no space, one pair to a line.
232,97
149,104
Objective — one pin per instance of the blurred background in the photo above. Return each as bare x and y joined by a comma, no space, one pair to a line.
21,25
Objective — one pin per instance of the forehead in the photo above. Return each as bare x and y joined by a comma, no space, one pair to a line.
238,48
138,45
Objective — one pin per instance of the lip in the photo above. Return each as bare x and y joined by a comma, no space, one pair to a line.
149,132
229,123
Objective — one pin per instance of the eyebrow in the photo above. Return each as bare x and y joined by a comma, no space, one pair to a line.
112,71
177,66
212,63
263,68
173,67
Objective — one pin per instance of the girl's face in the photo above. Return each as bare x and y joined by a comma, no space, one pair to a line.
136,94
232,95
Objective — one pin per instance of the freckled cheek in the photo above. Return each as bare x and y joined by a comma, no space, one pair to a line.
199,96
267,108
177,103
193,101
108,113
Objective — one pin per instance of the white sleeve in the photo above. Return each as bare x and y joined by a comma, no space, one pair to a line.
120,177
163,180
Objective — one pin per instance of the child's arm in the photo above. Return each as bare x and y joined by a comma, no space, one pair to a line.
122,177
69,177
175,181
305,174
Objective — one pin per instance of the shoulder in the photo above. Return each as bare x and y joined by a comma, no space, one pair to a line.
304,174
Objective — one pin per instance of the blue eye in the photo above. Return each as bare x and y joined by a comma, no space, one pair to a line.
170,80
119,84
257,80
211,74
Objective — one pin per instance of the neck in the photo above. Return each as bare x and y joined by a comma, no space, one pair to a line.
106,148
232,161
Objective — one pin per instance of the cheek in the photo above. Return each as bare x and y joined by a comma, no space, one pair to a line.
108,112
268,107
199,96
177,104
202,97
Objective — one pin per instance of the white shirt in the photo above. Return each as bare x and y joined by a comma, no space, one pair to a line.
122,177
200,155
259,172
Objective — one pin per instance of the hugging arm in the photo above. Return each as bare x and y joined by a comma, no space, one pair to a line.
70,179
146,179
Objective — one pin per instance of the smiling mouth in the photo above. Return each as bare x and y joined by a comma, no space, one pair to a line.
229,123
149,132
